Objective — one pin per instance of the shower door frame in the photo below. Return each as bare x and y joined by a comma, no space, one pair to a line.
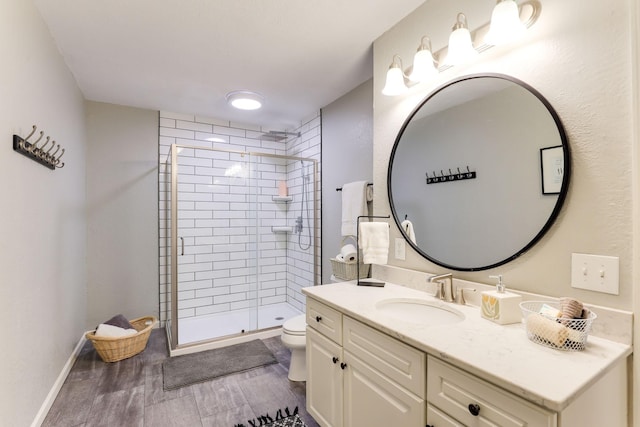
174,231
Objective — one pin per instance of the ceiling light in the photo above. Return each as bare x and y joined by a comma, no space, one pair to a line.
460,45
505,23
423,62
394,84
245,100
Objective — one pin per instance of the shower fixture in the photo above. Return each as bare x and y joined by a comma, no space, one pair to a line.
304,209
279,136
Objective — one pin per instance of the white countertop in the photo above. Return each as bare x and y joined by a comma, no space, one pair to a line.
502,355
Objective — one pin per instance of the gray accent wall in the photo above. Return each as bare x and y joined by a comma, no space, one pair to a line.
347,156
122,212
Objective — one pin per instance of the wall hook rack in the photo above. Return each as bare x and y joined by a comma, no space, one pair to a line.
46,153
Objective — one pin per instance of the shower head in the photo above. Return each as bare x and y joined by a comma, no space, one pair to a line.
278,135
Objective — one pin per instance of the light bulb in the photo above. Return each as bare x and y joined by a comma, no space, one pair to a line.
505,23
460,45
423,62
394,84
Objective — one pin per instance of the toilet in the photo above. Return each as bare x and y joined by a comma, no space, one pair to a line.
294,338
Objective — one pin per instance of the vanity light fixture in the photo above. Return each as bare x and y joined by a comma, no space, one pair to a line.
423,63
505,23
508,21
461,47
394,84
245,100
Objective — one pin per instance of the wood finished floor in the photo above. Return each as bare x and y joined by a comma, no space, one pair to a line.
130,393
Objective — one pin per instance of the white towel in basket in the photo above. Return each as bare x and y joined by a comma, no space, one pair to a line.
111,331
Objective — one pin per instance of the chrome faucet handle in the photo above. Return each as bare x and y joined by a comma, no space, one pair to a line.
445,294
460,295
439,290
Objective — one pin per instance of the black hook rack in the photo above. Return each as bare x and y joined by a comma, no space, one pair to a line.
46,154
451,176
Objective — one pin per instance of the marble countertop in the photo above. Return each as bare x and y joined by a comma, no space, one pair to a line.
502,355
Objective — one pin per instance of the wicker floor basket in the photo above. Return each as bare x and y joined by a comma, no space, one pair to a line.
113,349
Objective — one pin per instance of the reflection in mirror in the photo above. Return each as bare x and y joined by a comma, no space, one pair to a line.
481,169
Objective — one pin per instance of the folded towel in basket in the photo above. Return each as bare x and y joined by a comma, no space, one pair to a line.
120,321
110,331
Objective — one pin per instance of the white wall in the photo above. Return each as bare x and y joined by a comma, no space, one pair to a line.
122,209
42,256
347,156
583,67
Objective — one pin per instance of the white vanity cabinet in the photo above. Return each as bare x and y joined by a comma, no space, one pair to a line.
367,379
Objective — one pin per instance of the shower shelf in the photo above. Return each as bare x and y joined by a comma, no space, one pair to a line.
281,229
282,199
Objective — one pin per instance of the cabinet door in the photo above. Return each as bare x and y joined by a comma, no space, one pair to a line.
324,380
374,400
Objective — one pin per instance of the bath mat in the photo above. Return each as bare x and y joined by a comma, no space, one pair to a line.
181,371
281,419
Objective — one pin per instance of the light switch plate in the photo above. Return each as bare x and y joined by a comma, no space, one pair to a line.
595,273
400,248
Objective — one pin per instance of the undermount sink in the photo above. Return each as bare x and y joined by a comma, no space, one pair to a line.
419,311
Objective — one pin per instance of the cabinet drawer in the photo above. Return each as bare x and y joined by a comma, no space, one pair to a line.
325,320
436,418
452,391
398,361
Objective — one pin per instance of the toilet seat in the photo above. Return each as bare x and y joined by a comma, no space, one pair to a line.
295,326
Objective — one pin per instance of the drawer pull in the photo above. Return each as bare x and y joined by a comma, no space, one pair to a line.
335,359
318,318
343,365
474,408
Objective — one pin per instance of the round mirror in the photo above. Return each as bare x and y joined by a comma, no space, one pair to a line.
480,169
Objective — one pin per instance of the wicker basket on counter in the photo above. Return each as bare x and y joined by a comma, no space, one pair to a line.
114,349
349,270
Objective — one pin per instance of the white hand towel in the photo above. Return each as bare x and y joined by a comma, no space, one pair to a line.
111,331
354,204
407,227
374,242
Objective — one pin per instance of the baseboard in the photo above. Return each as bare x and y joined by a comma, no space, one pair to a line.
53,393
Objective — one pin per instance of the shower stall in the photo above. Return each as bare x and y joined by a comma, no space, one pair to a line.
241,243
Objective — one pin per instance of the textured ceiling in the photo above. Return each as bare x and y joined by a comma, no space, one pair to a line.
185,55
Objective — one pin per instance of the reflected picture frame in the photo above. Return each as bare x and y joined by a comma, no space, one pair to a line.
552,168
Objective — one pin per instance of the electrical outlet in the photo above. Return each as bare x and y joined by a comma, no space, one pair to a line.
595,273
400,248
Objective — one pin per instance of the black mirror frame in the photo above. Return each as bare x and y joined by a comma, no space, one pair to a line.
561,196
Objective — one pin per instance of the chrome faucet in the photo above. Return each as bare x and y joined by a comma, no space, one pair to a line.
443,292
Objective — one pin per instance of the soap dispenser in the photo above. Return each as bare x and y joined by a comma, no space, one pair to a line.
500,306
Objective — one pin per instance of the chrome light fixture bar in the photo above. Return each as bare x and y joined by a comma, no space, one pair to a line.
508,22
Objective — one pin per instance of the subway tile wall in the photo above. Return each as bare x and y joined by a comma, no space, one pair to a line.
233,259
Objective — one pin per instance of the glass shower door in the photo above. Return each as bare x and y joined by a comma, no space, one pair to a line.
215,244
